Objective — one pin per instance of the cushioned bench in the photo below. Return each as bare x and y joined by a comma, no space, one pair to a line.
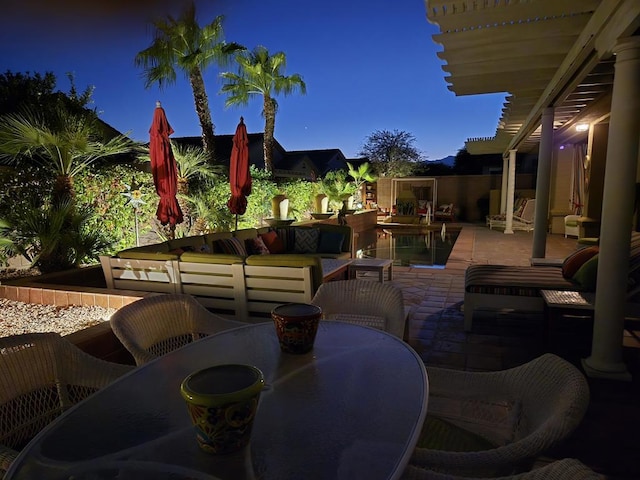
508,287
518,288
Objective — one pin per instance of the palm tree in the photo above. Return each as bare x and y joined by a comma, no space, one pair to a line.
262,74
64,144
52,237
182,44
361,175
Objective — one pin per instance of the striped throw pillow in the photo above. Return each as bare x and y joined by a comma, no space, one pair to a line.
233,246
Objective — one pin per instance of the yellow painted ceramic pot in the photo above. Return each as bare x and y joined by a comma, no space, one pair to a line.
222,401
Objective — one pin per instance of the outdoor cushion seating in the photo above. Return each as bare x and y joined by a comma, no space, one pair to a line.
373,304
41,376
231,273
159,324
518,288
571,226
565,469
445,212
519,413
523,216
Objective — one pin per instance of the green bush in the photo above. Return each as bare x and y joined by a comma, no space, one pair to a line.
99,196
103,191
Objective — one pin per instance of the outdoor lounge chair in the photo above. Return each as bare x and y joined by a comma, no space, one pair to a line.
496,423
155,325
445,212
523,215
41,376
373,304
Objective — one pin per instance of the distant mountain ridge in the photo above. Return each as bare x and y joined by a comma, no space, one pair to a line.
449,160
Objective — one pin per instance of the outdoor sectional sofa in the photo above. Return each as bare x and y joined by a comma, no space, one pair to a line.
518,288
234,273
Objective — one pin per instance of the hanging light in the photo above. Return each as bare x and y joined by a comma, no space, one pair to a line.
582,127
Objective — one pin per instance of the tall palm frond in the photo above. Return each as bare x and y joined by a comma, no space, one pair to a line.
181,44
261,74
64,145
193,162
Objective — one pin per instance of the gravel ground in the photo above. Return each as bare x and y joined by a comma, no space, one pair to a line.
19,317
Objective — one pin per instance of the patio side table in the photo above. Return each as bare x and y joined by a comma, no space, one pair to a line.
567,303
378,265
334,269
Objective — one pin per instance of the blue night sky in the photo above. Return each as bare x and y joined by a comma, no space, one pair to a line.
368,65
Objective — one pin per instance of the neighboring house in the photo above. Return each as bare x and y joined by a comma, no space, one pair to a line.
224,144
304,164
571,71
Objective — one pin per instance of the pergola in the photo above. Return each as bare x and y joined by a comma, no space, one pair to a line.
561,63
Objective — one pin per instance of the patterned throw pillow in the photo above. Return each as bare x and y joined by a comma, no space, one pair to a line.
256,246
273,242
578,258
306,240
232,246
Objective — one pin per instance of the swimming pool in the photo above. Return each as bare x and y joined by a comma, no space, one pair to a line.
421,248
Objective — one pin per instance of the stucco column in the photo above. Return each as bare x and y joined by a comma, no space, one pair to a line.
617,215
511,187
541,215
503,187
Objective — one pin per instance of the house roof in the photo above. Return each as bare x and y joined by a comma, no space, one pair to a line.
542,53
323,161
224,144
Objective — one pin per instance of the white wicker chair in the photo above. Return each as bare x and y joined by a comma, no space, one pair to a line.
41,376
571,226
565,469
378,305
158,324
522,411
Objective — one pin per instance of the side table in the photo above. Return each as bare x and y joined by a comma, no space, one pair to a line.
371,265
567,303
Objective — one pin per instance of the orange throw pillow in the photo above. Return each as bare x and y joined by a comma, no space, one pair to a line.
574,261
273,242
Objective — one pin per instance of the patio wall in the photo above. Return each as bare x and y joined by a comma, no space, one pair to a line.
464,191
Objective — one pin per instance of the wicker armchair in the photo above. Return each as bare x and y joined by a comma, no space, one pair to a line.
378,305
521,412
571,225
41,376
566,469
158,324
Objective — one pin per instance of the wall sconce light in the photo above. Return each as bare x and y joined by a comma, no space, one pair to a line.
582,127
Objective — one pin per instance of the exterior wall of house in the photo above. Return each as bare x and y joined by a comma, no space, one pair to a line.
560,187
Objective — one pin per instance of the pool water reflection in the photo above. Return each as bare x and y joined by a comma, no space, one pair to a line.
418,248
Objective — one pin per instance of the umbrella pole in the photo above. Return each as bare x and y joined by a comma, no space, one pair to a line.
236,221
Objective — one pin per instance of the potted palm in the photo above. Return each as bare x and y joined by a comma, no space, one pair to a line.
361,175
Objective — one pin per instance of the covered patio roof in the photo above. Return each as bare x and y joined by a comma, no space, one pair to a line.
541,53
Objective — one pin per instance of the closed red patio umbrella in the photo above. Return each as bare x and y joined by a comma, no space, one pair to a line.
239,176
164,169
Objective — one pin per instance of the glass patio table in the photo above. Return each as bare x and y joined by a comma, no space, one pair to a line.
351,408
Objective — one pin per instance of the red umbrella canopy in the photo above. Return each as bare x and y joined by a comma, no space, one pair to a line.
164,169
239,176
